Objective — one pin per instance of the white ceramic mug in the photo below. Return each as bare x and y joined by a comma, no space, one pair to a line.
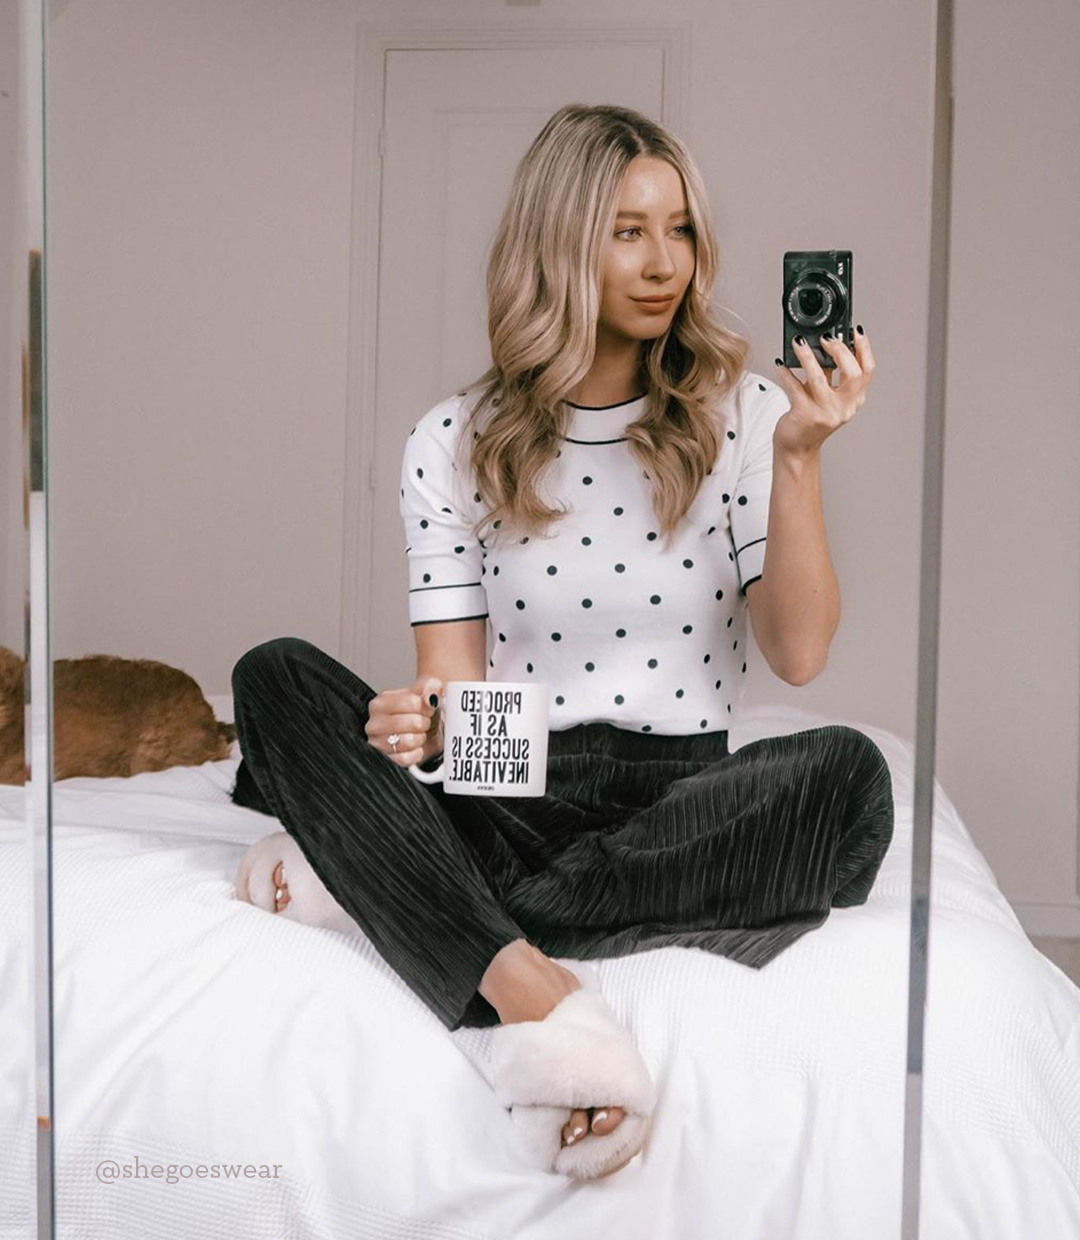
495,739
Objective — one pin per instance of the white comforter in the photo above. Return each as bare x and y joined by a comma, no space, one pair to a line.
196,1031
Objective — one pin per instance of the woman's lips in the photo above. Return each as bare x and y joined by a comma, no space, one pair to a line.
655,307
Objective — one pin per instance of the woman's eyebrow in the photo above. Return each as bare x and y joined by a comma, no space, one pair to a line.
641,215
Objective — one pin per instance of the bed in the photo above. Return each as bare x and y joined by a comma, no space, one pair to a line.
288,1069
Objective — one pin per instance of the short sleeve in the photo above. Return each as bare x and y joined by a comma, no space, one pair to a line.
749,511
444,556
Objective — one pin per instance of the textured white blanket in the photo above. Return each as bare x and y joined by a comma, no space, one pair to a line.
197,1032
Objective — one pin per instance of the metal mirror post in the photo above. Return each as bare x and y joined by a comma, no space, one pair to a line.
929,612
30,285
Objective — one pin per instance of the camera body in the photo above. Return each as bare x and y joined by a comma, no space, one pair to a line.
817,299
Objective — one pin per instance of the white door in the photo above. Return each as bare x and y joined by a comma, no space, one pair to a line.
456,123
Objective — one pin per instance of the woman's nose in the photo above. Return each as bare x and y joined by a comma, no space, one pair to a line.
660,262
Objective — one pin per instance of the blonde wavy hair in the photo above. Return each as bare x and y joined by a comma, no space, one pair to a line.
544,279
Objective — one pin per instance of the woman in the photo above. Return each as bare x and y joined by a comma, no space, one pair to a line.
613,495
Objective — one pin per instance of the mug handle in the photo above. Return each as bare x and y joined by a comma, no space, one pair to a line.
427,777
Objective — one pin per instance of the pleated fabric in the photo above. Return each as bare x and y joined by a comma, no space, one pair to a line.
641,840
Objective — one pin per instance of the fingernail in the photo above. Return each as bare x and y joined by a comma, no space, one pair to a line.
860,330
433,698
827,336
778,361
599,1116
574,1135
799,340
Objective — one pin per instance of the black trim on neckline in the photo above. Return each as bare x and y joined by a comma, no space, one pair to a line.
617,404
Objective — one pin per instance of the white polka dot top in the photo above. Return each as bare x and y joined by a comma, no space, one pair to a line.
621,630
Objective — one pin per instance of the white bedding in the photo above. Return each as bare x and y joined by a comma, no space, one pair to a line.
192,1028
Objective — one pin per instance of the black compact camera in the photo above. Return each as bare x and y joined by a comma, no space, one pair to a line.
817,299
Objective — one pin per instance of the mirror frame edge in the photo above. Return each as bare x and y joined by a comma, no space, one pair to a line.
37,676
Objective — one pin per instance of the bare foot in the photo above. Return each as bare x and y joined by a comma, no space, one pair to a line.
521,983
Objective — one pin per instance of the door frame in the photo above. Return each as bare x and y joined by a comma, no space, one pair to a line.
373,43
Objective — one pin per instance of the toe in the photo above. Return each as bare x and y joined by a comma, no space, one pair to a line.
281,888
579,1120
603,1123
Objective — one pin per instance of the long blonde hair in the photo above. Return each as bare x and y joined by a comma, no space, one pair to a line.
543,290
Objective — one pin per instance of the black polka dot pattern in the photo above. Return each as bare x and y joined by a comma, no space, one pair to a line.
605,578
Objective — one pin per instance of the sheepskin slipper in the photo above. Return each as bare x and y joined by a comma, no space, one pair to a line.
578,1056
309,901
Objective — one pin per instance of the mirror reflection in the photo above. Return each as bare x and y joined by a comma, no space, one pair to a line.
477,773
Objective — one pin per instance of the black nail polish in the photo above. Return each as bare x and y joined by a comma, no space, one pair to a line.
779,361
860,330
827,336
433,699
799,340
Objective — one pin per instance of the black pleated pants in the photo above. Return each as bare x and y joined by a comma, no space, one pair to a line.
640,841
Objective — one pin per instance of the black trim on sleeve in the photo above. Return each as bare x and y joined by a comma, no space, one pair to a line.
742,588
751,544
455,585
449,620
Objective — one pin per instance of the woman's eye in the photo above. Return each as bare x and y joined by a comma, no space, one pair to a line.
688,230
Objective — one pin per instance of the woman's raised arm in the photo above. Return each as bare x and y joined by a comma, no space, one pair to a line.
452,649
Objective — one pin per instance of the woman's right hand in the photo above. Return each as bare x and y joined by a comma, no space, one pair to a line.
415,714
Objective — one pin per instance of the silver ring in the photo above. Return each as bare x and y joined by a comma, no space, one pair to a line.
393,738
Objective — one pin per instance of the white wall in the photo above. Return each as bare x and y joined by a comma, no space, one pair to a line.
200,160
1009,697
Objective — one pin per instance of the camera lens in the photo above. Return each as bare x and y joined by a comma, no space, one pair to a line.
816,300
811,302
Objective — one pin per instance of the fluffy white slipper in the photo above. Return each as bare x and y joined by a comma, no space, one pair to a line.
309,900
578,1056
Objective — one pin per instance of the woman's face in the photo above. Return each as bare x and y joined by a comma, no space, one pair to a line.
650,253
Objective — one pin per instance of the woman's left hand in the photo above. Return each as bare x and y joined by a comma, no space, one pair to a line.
818,408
